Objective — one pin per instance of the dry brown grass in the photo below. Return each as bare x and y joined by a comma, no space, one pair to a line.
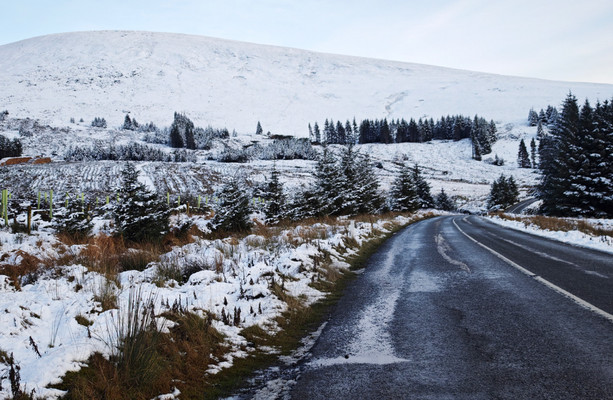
178,359
559,224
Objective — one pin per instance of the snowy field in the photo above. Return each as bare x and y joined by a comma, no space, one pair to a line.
41,321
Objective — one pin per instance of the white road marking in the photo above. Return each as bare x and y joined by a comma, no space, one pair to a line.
545,282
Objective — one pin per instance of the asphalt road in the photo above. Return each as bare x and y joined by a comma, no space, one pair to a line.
521,206
445,310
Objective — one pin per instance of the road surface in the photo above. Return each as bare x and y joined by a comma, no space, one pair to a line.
458,308
521,206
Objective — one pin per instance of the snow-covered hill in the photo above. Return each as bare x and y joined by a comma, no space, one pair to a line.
233,84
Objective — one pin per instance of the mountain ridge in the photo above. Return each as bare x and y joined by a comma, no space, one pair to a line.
227,83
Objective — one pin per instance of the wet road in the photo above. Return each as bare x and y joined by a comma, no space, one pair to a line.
458,308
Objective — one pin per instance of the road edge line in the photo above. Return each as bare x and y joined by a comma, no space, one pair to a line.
542,280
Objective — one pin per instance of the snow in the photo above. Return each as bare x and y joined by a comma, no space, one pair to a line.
236,272
234,84
573,237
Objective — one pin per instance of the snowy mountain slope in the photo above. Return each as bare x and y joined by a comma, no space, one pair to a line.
234,84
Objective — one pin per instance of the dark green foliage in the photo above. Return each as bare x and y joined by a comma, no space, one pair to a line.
74,220
504,193
232,212
444,202
576,161
400,131
139,215
423,189
99,122
129,123
533,153
403,193
182,132
10,148
275,199
523,158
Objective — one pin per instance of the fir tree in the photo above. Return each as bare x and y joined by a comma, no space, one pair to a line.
503,193
275,199
127,123
523,158
232,212
533,153
403,193
423,189
139,215
329,183
74,220
559,161
533,117
443,202
258,129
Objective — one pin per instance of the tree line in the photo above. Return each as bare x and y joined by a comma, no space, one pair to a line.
457,127
576,161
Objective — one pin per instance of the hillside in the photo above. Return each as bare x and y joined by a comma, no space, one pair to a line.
233,84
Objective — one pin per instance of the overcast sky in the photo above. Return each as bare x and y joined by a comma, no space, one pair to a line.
561,40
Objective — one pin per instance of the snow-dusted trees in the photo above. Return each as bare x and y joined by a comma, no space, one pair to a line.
482,133
258,129
444,202
130,123
99,122
232,211
523,158
403,193
504,193
182,132
576,161
423,189
139,214
10,148
275,199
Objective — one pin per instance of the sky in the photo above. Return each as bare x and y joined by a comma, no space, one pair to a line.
566,40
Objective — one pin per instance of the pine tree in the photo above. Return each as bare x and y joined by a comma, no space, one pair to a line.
127,123
443,202
503,193
533,117
559,161
523,158
533,153
317,133
275,199
540,133
329,183
232,212
423,189
403,193
139,215
258,129
367,186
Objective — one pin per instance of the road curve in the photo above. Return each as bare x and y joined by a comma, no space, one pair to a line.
442,311
521,206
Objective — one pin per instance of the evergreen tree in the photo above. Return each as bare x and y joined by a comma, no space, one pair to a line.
533,117
176,140
539,131
258,129
443,202
317,133
533,153
182,132
232,212
329,183
275,199
504,193
423,189
559,161
74,220
367,186
523,158
127,123
403,193
139,215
